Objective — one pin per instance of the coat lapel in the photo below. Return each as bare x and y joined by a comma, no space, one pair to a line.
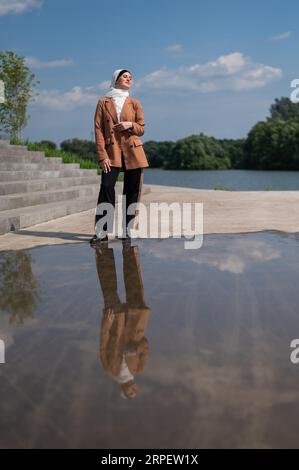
112,108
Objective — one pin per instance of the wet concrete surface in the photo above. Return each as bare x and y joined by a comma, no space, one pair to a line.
150,345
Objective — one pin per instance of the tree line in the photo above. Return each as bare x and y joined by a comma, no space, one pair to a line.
272,144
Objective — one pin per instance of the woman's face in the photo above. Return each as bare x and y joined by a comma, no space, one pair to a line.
130,389
124,81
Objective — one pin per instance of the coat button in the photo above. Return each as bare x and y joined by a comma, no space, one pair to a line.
112,143
108,120
131,146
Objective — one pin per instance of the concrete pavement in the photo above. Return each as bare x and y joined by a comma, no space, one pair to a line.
223,212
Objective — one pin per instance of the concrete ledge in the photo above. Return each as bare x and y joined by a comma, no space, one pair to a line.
42,165
27,186
17,175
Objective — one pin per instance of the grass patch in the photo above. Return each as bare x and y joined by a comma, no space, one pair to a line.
66,156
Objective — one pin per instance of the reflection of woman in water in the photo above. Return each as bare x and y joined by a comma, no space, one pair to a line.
123,345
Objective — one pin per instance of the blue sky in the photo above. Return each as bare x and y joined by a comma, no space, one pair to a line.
197,66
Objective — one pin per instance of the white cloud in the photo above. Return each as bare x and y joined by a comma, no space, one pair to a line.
18,6
224,65
281,37
237,256
101,86
233,71
66,101
174,48
38,64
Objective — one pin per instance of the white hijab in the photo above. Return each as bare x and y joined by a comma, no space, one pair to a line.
116,92
119,95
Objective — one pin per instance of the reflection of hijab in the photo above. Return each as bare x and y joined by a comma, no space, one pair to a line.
119,95
124,375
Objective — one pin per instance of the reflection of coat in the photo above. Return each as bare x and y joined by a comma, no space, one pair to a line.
111,143
125,334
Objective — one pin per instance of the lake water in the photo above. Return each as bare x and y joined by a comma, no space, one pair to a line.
237,180
200,338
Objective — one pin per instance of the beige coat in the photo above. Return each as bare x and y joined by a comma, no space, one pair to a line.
124,332
110,143
125,335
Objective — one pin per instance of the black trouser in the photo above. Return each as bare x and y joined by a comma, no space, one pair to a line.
132,189
133,280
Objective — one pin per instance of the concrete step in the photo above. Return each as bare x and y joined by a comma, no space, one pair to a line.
4,142
31,157
47,165
15,219
63,172
14,201
35,188
6,152
27,186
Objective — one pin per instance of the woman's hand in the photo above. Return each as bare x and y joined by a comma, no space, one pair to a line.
123,126
105,165
110,314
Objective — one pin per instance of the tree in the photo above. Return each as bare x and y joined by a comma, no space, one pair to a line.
19,83
158,153
48,144
283,109
19,289
273,145
234,148
85,149
198,152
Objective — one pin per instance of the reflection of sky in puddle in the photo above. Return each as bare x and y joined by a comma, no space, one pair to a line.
205,335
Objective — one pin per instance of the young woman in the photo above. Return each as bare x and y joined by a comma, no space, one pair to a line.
119,122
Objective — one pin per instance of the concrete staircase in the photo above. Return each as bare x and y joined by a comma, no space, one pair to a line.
35,188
